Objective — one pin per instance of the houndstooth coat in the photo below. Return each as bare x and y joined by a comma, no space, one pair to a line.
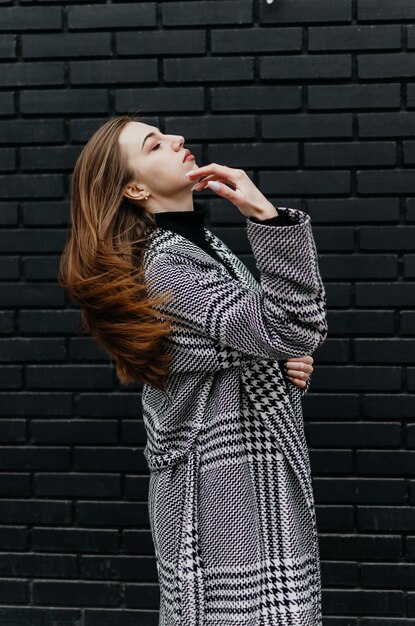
230,496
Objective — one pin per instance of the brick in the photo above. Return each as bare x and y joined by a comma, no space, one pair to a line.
69,377
49,212
33,616
7,46
73,539
386,518
334,517
298,125
409,152
46,322
114,71
114,405
354,97
357,266
76,432
120,514
353,210
304,183
265,154
388,350
335,462
30,18
10,377
366,491
360,434
31,186
248,41
389,406
383,294
42,403
52,158
396,65
386,181
386,462
82,593
209,69
385,10
302,67
255,98
25,74
66,45
387,238
316,11
7,159
40,267
6,103
354,37
64,101
111,16
29,512
365,602
33,240
399,124
8,213
411,36
162,43
31,131
9,269
411,96
21,294
212,127
205,12
22,349
160,99
349,154
333,574
357,547
110,460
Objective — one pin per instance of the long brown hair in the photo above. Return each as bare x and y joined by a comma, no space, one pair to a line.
101,264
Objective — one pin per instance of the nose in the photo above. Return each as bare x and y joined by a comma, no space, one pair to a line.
181,140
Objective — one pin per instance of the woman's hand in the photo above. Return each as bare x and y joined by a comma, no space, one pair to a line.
299,369
242,192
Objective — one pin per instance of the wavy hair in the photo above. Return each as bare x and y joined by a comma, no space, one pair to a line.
101,265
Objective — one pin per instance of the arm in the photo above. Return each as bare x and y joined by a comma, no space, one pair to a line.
285,318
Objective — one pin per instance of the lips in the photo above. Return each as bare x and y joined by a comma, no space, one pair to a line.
187,155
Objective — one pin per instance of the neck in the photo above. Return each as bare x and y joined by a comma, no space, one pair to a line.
190,224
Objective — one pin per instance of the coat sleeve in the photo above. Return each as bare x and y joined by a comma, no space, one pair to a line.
285,317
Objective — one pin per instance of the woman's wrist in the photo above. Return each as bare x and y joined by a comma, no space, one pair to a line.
265,213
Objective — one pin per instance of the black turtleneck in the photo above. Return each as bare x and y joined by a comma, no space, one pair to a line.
190,224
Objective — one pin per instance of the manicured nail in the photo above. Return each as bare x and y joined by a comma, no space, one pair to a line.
213,185
191,173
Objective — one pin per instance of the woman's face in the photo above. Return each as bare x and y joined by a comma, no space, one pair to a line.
157,160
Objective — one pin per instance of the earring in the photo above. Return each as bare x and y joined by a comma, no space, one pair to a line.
146,198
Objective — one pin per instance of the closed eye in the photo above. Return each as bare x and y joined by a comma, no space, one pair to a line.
155,147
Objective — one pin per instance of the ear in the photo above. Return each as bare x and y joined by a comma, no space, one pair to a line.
133,192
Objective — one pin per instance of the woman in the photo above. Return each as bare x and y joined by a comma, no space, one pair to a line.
230,496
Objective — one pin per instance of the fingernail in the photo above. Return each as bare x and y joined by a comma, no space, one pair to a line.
194,187
213,185
190,173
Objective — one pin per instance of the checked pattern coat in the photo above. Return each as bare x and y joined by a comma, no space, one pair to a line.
230,501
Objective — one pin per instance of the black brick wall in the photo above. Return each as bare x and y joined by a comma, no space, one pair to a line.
315,99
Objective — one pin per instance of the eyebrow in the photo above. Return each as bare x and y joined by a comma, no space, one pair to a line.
147,137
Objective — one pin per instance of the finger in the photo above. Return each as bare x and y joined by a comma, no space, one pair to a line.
297,382
298,375
306,359
221,171
298,366
224,191
202,184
